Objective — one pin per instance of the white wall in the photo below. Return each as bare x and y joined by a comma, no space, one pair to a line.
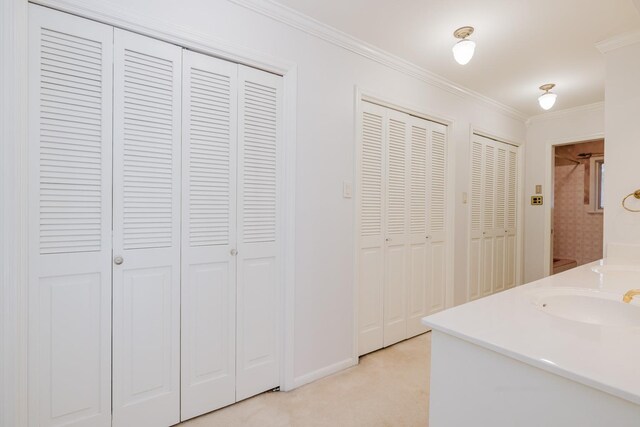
574,125
327,77
622,106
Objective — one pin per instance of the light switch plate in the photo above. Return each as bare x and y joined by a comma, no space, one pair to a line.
464,198
538,189
347,190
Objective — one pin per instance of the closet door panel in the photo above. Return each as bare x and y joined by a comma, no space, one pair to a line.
437,222
511,217
371,258
209,144
488,218
146,231
69,292
500,206
397,240
475,247
259,201
417,289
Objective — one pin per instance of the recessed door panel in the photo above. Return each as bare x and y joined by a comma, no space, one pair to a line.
417,288
475,265
395,321
437,277
370,315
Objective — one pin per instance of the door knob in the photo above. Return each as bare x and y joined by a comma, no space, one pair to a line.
118,260
233,252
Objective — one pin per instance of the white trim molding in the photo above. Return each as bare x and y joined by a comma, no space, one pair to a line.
338,38
13,207
553,115
616,42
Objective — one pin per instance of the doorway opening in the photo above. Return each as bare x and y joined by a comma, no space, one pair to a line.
577,208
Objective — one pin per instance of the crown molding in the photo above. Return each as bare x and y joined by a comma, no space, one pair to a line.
566,112
297,20
618,41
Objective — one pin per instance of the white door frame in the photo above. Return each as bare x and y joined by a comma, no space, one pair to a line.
13,211
13,186
548,188
362,95
475,130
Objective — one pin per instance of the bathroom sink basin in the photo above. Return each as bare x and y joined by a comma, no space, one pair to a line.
593,307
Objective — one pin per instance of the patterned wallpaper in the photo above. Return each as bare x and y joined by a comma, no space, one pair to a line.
577,232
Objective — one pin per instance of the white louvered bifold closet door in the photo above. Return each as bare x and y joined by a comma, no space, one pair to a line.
259,230
398,155
371,234
70,98
437,219
402,258
493,230
209,144
146,231
475,229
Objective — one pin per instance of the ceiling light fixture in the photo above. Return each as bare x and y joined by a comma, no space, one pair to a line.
547,99
463,50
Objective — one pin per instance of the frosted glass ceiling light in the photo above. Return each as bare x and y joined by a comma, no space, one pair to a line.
463,50
547,99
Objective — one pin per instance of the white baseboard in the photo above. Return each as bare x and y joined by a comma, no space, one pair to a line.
323,372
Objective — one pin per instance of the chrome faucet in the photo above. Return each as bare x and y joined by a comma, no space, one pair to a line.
630,294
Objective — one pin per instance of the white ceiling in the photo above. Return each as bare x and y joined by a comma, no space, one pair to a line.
521,44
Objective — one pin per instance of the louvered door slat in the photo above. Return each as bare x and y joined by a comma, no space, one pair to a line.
489,184
396,181
259,160
70,122
259,204
62,170
209,145
418,174
146,231
437,201
371,175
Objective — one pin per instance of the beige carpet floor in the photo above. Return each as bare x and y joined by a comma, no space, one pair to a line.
388,388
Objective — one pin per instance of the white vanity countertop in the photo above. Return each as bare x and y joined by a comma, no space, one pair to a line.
604,357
